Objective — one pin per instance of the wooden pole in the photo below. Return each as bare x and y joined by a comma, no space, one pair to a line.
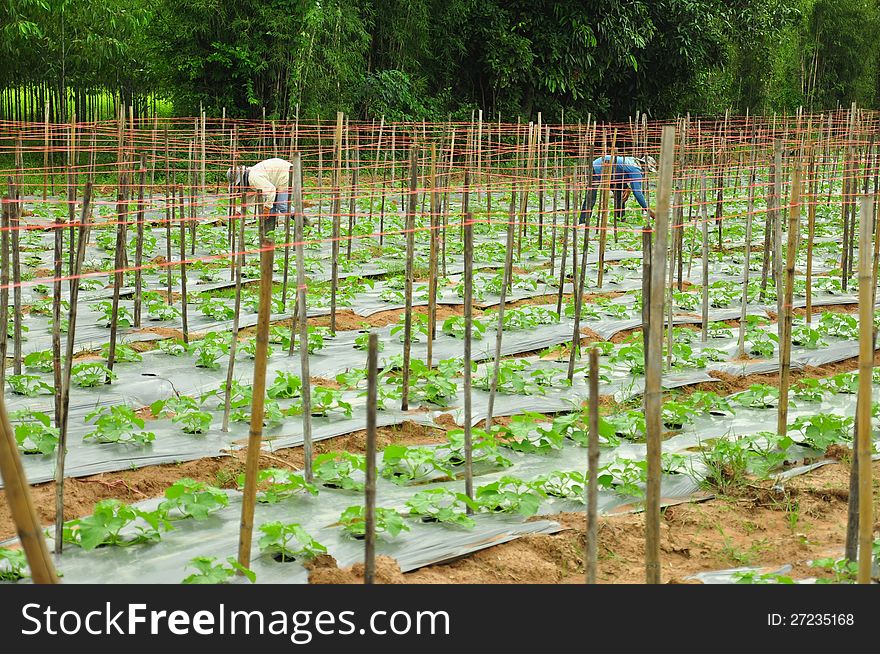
592,548
812,198
370,485
61,451
237,259
432,260
866,361
468,326
18,496
255,434
410,246
337,204
119,276
704,219
499,332
794,216
750,209
306,390
653,362
139,246
183,310
4,289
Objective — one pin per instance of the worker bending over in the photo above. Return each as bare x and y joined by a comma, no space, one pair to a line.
626,176
269,177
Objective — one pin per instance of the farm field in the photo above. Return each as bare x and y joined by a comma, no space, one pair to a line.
141,327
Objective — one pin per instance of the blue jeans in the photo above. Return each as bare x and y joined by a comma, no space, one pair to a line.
282,205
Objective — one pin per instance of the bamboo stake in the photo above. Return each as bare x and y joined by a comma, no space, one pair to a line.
704,218
337,202
237,260
468,326
286,271
777,231
82,243
607,179
139,247
370,485
592,548
306,390
562,260
183,311
866,361
118,276
21,506
750,208
4,289
499,330
653,362
811,232
255,434
432,260
410,246
15,227
794,217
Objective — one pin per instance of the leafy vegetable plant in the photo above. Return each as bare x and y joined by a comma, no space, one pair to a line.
288,542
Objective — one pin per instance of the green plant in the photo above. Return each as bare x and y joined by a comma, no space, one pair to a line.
249,347
758,396
288,542
13,564
116,424
278,484
286,385
625,476
29,385
41,360
325,400
123,354
105,525
523,434
843,571
91,373
754,577
807,337
632,357
675,415
566,485
824,429
402,464
387,521
809,390
161,310
193,499
208,351
362,342
725,462
124,318
509,495
335,470
628,424
419,327
193,421
511,379
173,346
210,572
484,450
454,326
442,505
34,433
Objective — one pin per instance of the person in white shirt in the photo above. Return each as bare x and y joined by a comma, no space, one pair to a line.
269,177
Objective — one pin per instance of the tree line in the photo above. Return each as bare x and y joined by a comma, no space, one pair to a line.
435,59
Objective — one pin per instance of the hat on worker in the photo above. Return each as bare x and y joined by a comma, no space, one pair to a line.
649,162
235,175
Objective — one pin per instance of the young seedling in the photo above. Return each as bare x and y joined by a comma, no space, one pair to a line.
208,571
442,505
288,542
387,521
89,374
118,424
193,499
278,485
105,526
335,470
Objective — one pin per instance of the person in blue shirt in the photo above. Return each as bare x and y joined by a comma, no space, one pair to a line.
626,176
